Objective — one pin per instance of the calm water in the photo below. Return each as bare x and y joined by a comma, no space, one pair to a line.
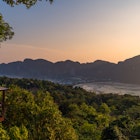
111,87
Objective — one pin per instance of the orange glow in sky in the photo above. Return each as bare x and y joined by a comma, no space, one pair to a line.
79,30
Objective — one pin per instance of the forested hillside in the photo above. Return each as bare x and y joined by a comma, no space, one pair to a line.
41,110
74,72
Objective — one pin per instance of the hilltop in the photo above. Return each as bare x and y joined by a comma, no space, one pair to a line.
74,72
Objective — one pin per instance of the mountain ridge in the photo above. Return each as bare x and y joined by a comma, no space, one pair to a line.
68,71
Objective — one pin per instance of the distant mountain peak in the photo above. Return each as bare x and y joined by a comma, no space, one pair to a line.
67,62
27,60
135,59
100,62
70,71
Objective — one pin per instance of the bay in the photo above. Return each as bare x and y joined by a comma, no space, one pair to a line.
111,87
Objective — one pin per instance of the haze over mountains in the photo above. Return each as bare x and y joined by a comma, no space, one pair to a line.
127,71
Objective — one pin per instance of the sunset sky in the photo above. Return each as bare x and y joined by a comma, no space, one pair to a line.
79,30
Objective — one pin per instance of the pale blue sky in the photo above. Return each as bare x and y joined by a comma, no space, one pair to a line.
73,29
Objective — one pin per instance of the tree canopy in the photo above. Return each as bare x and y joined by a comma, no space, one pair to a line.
6,31
40,110
27,3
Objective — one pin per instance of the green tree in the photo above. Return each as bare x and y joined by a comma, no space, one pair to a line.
112,133
89,131
136,131
18,133
6,31
119,129
39,114
38,111
49,122
19,107
134,112
104,108
3,134
27,3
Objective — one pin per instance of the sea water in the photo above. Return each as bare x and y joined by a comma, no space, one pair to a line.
111,87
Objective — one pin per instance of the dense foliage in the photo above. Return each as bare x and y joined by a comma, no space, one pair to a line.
27,3
6,31
38,110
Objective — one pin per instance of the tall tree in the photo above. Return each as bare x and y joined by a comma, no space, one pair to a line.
6,31
36,117
27,3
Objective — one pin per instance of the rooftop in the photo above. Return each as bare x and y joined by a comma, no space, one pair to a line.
3,88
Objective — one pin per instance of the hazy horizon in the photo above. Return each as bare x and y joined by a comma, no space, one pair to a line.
82,31
68,60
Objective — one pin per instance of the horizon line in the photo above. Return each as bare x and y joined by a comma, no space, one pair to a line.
34,59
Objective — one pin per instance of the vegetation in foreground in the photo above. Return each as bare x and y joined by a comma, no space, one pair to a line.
41,110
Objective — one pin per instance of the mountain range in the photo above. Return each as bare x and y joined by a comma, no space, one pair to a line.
127,71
